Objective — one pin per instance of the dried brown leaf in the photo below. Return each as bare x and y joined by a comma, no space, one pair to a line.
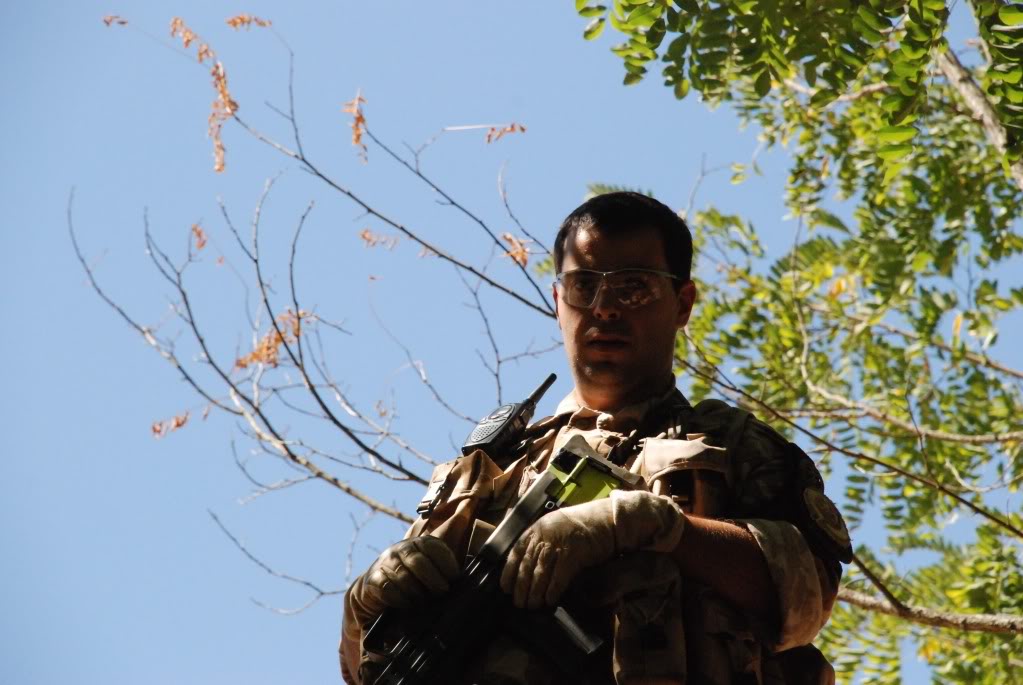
354,107
519,250
200,236
495,133
268,348
114,19
162,428
204,53
246,21
373,239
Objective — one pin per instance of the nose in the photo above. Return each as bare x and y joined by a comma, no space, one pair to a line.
605,304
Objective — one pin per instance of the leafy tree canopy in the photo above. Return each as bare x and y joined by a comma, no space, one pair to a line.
873,338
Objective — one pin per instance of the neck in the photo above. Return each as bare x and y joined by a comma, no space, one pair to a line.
611,400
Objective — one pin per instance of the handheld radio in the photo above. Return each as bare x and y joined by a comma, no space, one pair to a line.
503,427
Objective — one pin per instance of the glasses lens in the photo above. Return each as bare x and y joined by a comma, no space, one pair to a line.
579,288
635,288
632,288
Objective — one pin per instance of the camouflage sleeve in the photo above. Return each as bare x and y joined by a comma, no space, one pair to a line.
780,497
804,594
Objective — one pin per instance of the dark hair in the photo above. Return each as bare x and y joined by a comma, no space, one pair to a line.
622,212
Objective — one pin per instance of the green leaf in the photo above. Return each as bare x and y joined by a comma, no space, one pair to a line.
631,78
893,153
921,261
597,11
1011,75
912,50
682,88
594,29
644,16
763,83
868,32
1012,15
677,48
579,4
873,20
896,134
822,97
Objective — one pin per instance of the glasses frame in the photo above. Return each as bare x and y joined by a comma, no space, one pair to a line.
559,282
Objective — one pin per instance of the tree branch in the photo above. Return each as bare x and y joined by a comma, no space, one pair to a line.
984,623
860,456
961,80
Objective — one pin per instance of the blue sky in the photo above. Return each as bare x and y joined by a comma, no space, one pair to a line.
114,571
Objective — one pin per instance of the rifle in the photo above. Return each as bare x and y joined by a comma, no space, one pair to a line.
427,645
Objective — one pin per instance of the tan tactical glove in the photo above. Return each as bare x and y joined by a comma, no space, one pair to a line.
556,547
405,574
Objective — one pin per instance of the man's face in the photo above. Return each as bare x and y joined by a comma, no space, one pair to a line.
619,355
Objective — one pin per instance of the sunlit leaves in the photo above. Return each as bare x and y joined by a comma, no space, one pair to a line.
594,29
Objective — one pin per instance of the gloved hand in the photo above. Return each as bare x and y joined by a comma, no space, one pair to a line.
405,574
555,548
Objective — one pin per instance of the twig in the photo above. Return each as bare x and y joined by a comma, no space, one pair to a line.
461,208
318,592
310,386
420,369
893,601
502,190
146,334
478,306
368,209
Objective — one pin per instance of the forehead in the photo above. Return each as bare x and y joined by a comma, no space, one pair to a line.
592,248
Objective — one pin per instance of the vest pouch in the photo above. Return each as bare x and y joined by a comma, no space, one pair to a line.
458,490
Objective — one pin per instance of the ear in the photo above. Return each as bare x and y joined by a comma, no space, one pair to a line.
685,301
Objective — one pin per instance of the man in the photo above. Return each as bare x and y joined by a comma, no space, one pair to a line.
720,573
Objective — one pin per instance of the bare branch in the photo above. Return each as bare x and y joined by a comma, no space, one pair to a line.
310,386
315,589
879,584
420,370
478,306
502,190
315,171
847,97
271,437
454,203
984,623
145,332
357,527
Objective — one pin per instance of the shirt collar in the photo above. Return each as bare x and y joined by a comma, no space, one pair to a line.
621,420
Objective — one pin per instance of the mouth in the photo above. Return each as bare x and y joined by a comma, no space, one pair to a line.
607,342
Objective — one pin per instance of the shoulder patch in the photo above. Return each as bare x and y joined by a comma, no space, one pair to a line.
828,520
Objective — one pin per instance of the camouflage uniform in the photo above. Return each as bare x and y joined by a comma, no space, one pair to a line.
713,461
